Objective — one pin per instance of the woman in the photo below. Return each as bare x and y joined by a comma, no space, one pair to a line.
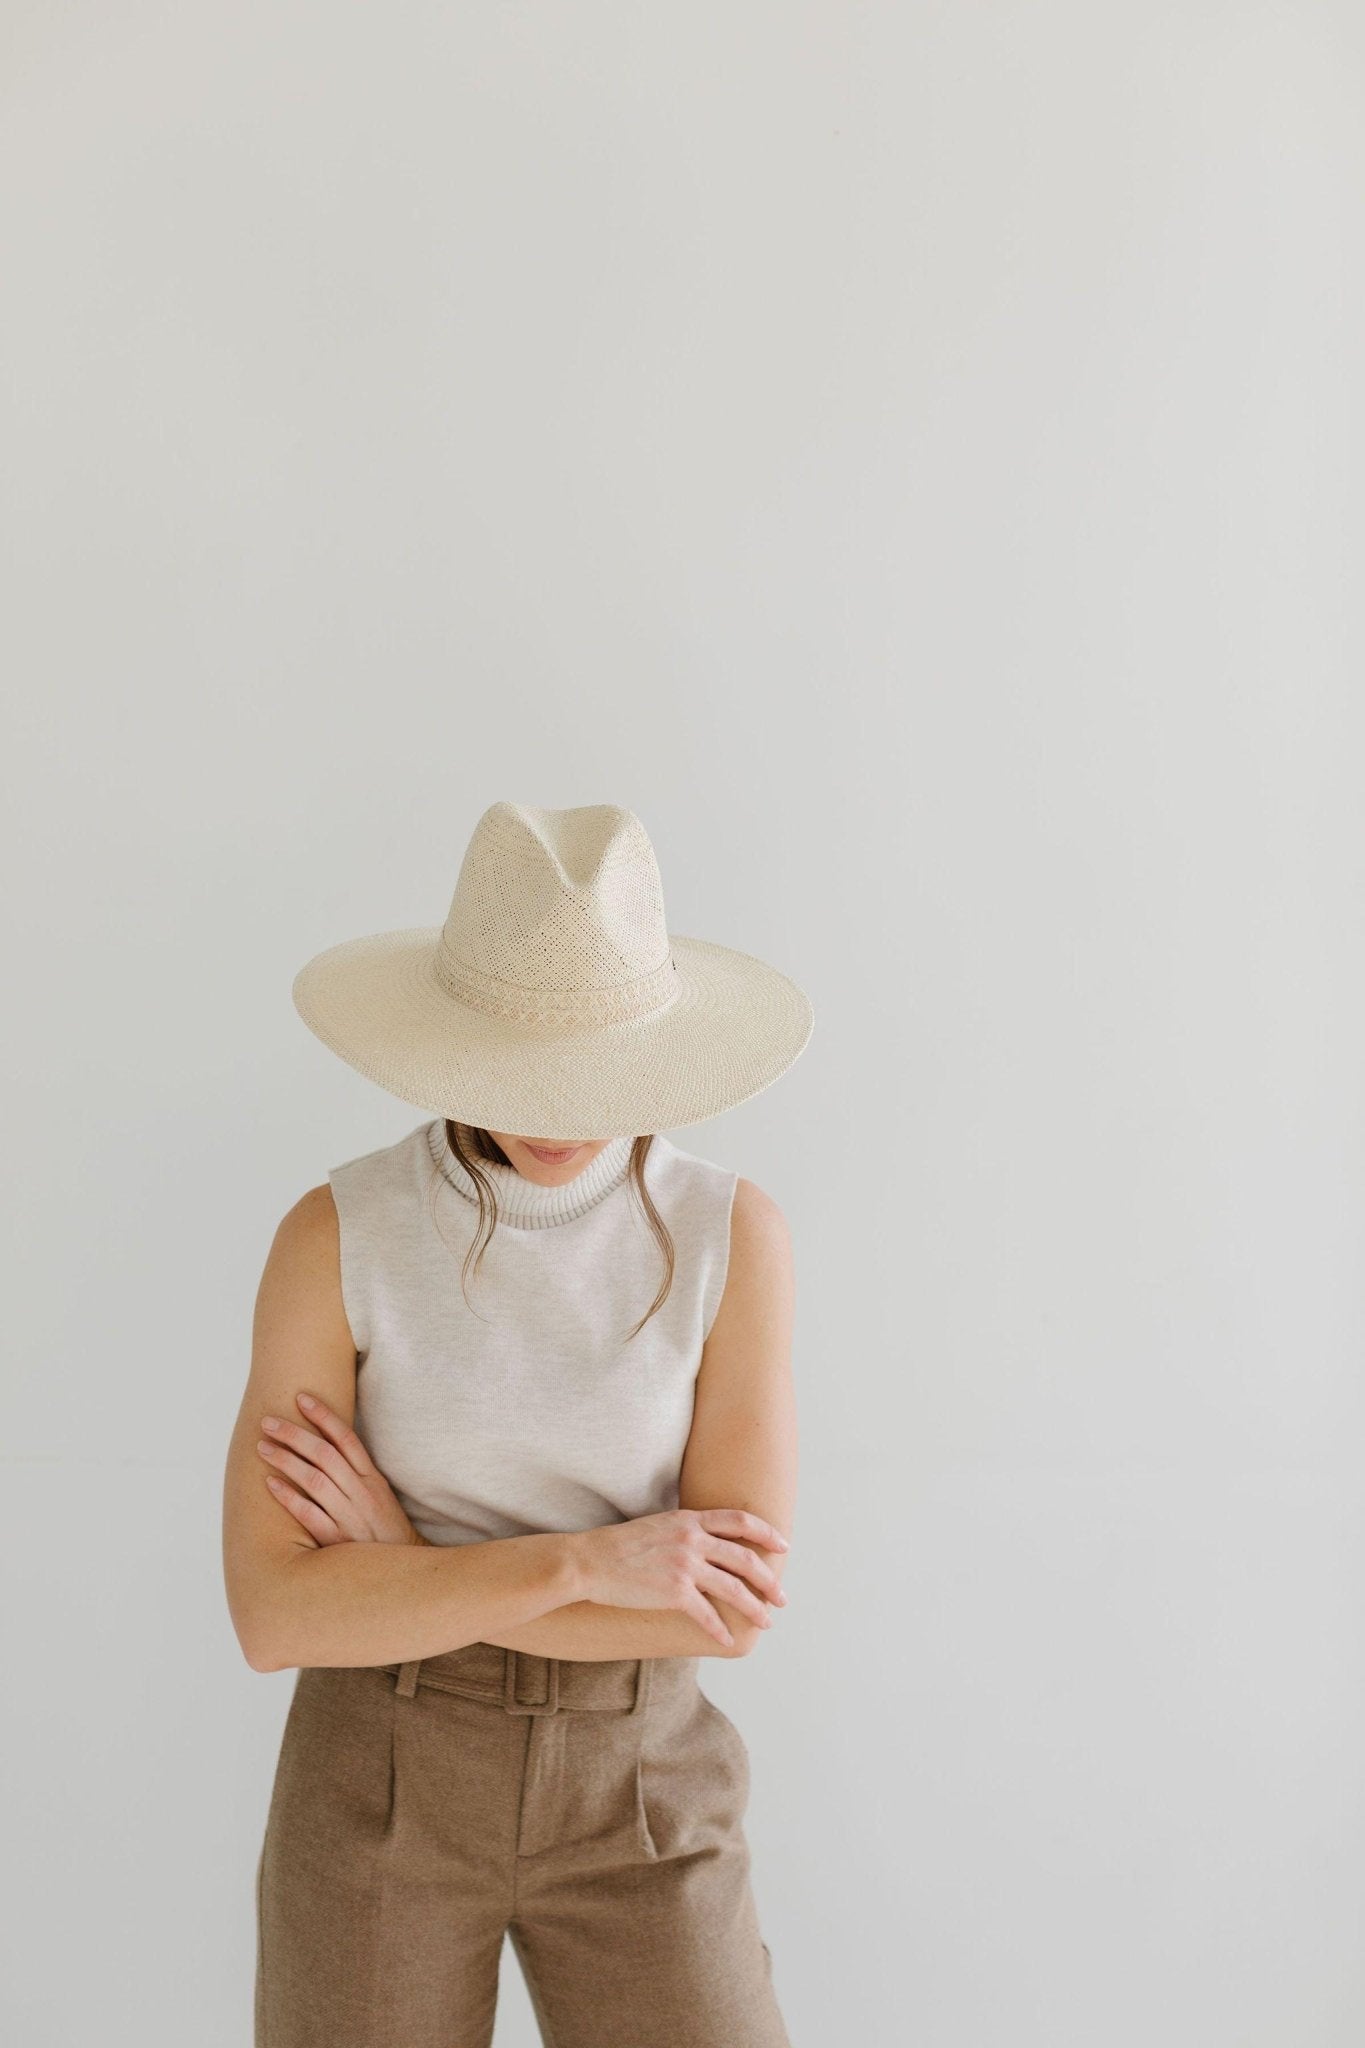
516,1451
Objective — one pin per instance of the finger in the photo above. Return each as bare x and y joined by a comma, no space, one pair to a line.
699,1607
341,1433
306,1512
749,1564
317,1486
727,1587
310,1445
739,1522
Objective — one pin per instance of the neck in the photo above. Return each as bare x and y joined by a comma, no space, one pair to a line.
528,1204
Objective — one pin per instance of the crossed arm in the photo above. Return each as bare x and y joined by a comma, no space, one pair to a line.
312,1598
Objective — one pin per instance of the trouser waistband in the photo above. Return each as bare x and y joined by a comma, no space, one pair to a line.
521,1683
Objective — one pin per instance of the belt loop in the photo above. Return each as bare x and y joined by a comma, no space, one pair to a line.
511,1667
407,1679
644,1672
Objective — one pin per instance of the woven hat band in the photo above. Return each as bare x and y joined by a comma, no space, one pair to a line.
649,995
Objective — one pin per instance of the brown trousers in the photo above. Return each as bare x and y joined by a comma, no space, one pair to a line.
591,1811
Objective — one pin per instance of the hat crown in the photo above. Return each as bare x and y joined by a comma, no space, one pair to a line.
558,918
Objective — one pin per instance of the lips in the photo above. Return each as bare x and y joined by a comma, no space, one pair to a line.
552,1155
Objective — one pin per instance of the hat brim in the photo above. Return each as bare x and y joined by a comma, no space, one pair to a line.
735,1026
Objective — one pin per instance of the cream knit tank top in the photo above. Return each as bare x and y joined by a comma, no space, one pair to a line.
526,1410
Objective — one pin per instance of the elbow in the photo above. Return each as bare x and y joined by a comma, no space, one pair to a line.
258,1638
262,1660
745,1636
259,1651
265,1613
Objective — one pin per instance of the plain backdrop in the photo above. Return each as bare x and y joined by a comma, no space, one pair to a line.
910,455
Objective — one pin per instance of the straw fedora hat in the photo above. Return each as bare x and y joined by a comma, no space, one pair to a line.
554,1002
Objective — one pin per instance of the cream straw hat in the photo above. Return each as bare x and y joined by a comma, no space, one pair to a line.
554,1002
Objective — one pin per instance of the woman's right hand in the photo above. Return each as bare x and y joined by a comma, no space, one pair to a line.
675,1559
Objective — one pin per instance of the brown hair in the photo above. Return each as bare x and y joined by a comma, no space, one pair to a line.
486,1147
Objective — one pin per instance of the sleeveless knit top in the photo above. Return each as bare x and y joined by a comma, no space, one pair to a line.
525,1409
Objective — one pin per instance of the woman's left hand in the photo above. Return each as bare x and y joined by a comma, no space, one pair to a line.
338,1494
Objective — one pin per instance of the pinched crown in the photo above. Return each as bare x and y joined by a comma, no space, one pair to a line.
558,919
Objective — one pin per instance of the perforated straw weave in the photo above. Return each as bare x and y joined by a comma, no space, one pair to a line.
554,1003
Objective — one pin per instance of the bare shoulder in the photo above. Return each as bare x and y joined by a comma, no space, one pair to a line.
758,1207
316,1202
310,1226
759,1280
300,1317
759,1235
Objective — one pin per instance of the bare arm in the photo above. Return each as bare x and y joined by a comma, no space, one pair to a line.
742,1451
295,1602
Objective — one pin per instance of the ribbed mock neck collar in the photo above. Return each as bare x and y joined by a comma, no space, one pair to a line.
525,1203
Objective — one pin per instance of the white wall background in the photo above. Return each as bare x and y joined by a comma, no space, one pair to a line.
911,455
